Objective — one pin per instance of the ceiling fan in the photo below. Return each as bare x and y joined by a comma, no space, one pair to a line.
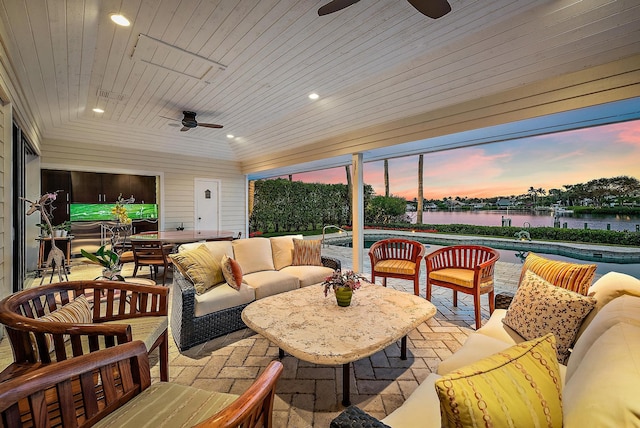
432,8
189,121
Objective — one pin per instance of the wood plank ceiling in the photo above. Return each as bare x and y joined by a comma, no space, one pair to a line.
250,65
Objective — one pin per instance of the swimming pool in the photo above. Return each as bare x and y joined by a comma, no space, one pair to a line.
516,252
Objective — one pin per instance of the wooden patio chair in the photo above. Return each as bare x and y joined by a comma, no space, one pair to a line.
112,387
464,268
153,254
397,258
121,312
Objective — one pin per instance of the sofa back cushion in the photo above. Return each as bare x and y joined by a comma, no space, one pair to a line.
282,248
604,390
571,276
623,309
253,254
609,287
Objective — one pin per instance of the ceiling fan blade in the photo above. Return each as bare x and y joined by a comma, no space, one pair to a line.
432,8
170,118
334,6
209,125
184,128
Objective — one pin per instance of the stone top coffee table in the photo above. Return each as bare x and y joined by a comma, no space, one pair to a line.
313,328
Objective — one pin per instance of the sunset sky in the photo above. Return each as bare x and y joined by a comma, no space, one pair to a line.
507,168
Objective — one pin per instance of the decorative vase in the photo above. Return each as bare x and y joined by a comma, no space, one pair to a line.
343,296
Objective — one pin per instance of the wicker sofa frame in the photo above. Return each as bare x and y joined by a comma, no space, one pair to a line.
189,330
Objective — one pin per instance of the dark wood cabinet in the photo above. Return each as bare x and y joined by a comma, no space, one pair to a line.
104,188
60,182
143,188
86,187
114,185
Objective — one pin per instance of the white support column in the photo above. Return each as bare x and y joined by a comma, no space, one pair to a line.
357,202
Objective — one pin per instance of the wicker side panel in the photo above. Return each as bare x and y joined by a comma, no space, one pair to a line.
331,262
189,330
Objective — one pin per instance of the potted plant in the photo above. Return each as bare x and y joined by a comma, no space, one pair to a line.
343,284
110,262
62,229
45,230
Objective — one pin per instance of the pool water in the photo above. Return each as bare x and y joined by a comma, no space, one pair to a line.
517,257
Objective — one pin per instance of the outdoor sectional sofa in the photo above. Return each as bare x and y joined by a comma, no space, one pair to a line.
599,385
268,266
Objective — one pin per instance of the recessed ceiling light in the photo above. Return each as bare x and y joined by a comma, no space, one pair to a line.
98,110
314,96
230,135
120,20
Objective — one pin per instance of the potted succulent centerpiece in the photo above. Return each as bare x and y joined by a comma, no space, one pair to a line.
343,285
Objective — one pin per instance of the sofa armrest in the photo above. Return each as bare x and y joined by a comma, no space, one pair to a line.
331,262
354,417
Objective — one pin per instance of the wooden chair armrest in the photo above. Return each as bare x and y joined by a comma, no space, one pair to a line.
71,391
255,404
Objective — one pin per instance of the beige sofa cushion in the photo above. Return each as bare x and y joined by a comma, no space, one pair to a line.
495,328
169,405
270,282
420,410
623,309
309,275
476,347
607,288
604,390
223,297
253,254
282,248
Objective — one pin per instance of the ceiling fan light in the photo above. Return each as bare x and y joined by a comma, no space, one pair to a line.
314,96
120,20
98,110
230,135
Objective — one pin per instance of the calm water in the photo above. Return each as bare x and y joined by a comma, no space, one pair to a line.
534,219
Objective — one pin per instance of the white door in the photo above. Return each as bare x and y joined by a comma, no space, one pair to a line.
207,199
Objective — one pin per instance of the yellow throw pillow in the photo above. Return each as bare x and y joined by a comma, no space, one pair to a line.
517,387
540,307
571,276
76,312
199,267
307,252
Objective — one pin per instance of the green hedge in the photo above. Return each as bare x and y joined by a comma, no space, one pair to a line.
609,237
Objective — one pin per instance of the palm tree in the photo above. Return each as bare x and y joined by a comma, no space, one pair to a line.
386,177
420,190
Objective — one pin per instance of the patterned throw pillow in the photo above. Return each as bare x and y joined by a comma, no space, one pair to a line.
76,312
232,272
199,267
520,386
539,307
307,252
571,276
